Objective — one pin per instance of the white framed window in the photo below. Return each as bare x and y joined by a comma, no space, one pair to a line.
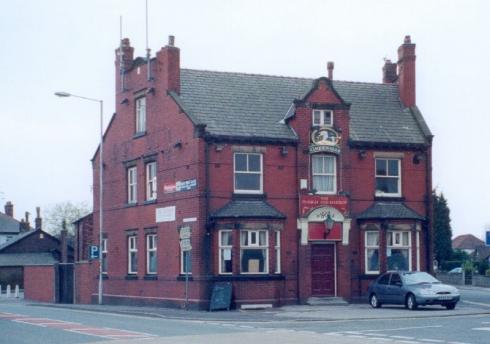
132,255
185,262
247,172
132,185
151,254
398,250
277,250
322,118
104,255
254,251
225,252
371,254
388,177
141,115
324,173
151,181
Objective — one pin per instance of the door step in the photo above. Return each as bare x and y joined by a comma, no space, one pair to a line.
326,301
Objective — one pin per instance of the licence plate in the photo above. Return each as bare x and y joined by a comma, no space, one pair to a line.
445,297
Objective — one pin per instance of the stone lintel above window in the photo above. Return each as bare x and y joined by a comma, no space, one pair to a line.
131,232
130,163
250,226
151,230
389,155
248,149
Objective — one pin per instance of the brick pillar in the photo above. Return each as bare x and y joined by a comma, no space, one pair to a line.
64,243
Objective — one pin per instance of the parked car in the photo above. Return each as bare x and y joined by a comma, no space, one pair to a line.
411,289
456,271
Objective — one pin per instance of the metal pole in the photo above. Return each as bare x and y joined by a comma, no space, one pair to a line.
187,279
101,189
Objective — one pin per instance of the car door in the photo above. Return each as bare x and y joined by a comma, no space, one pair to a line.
395,290
381,287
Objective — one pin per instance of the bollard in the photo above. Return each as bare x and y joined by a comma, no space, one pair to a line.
8,290
16,293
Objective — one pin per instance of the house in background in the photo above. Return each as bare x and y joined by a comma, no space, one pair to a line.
467,243
9,226
287,188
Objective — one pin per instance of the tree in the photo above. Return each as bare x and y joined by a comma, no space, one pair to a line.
67,211
442,228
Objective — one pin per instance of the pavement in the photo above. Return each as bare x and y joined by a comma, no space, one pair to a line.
295,313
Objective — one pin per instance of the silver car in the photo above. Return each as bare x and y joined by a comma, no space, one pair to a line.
411,289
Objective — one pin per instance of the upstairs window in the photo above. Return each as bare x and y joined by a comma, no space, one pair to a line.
324,174
132,184
248,172
388,177
151,181
322,118
140,115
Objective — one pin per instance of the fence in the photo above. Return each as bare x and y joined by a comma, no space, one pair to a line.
464,279
11,292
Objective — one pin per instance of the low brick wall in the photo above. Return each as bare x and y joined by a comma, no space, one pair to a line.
455,279
39,283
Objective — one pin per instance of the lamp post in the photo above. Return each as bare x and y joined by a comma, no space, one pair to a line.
101,172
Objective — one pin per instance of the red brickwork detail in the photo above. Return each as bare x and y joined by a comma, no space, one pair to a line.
39,283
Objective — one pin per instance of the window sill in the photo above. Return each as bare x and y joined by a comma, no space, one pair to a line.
131,277
261,195
138,135
129,205
251,277
181,277
150,277
150,201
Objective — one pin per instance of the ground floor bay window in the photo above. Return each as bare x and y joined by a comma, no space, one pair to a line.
248,252
398,250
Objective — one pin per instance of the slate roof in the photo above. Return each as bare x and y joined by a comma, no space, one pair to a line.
8,224
389,210
255,106
467,242
16,239
248,209
23,259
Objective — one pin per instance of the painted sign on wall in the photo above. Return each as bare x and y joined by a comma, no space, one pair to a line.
310,202
179,186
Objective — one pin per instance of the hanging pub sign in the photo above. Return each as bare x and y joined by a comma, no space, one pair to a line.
309,202
324,140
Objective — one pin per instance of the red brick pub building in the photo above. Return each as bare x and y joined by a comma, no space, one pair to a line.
293,188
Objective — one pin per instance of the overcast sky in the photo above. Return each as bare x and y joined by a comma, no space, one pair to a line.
46,142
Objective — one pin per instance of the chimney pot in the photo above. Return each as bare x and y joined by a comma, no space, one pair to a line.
389,72
171,41
9,209
330,66
407,40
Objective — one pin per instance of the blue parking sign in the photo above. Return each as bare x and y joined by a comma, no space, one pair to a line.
94,252
487,238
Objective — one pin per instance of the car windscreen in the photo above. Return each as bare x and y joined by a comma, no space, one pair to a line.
419,278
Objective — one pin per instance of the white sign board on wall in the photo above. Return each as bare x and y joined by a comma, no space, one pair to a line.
166,214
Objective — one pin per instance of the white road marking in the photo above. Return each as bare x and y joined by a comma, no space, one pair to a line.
402,337
481,328
432,340
477,303
400,328
458,343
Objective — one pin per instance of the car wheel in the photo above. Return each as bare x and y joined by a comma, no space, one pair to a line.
451,305
411,302
374,301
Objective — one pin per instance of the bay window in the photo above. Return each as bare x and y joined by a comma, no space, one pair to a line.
398,250
324,173
277,250
254,248
225,252
372,252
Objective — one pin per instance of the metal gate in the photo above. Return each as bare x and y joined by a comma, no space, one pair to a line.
65,283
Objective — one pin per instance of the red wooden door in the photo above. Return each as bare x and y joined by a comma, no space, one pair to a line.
322,270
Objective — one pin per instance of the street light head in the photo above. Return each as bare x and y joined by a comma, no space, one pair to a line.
62,94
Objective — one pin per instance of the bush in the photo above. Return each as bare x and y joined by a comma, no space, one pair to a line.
482,267
487,273
468,266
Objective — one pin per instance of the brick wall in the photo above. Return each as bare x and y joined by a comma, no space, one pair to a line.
39,283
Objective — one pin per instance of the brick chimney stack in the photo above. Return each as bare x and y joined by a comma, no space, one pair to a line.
389,72
406,72
125,54
64,243
28,224
168,69
38,222
330,66
9,209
